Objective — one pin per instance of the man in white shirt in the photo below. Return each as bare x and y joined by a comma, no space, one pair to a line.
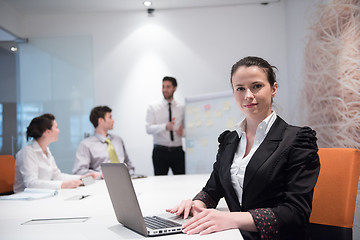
94,150
164,120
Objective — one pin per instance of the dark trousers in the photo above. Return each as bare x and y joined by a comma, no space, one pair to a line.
168,157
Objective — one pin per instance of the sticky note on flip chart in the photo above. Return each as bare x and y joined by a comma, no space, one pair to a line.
204,142
230,123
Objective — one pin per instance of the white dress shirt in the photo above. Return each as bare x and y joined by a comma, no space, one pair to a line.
240,162
93,151
157,117
33,169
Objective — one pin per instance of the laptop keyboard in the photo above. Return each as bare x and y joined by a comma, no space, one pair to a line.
155,222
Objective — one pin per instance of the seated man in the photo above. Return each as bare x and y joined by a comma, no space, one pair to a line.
102,146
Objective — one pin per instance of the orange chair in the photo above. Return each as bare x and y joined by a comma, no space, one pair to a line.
335,193
7,174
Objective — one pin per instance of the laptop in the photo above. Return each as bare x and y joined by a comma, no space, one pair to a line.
126,206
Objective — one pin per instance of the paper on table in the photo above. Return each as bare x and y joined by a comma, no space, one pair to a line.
56,220
31,194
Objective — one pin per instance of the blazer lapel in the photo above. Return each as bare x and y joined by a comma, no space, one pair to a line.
228,154
227,159
266,148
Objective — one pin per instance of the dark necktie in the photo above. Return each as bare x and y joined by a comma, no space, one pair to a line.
170,118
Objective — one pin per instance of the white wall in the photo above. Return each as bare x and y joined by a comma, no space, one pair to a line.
132,52
198,47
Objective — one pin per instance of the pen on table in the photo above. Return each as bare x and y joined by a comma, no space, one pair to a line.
83,196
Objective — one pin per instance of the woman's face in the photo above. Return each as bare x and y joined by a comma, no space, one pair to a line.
53,132
252,91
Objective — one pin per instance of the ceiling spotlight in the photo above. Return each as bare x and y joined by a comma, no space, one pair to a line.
14,49
147,3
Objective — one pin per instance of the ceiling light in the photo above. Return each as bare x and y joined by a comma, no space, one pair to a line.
147,3
14,49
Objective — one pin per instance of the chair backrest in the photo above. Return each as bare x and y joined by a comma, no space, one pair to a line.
7,173
336,189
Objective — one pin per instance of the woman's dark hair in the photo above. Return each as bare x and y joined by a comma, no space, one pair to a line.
259,62
98,112
39,125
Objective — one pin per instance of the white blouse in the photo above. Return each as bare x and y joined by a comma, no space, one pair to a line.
240,162
157,116
33,169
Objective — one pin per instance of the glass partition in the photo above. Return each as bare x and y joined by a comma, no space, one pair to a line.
56,76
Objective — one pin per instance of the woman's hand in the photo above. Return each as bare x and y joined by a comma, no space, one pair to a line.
211,220
94,175
71,183
186,208
207,221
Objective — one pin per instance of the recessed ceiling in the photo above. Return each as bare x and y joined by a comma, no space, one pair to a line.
6,36
92,6
78,6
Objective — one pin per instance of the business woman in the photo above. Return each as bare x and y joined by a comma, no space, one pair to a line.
35,166
266,169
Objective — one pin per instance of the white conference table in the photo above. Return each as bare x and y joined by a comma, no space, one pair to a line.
155,194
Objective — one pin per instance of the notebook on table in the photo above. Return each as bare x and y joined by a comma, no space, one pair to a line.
126,205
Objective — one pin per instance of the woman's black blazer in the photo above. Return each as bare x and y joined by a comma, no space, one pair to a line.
280,176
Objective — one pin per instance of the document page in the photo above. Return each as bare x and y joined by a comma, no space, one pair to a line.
31,194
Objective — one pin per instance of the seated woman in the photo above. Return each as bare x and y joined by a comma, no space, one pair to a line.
266,169
35,166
